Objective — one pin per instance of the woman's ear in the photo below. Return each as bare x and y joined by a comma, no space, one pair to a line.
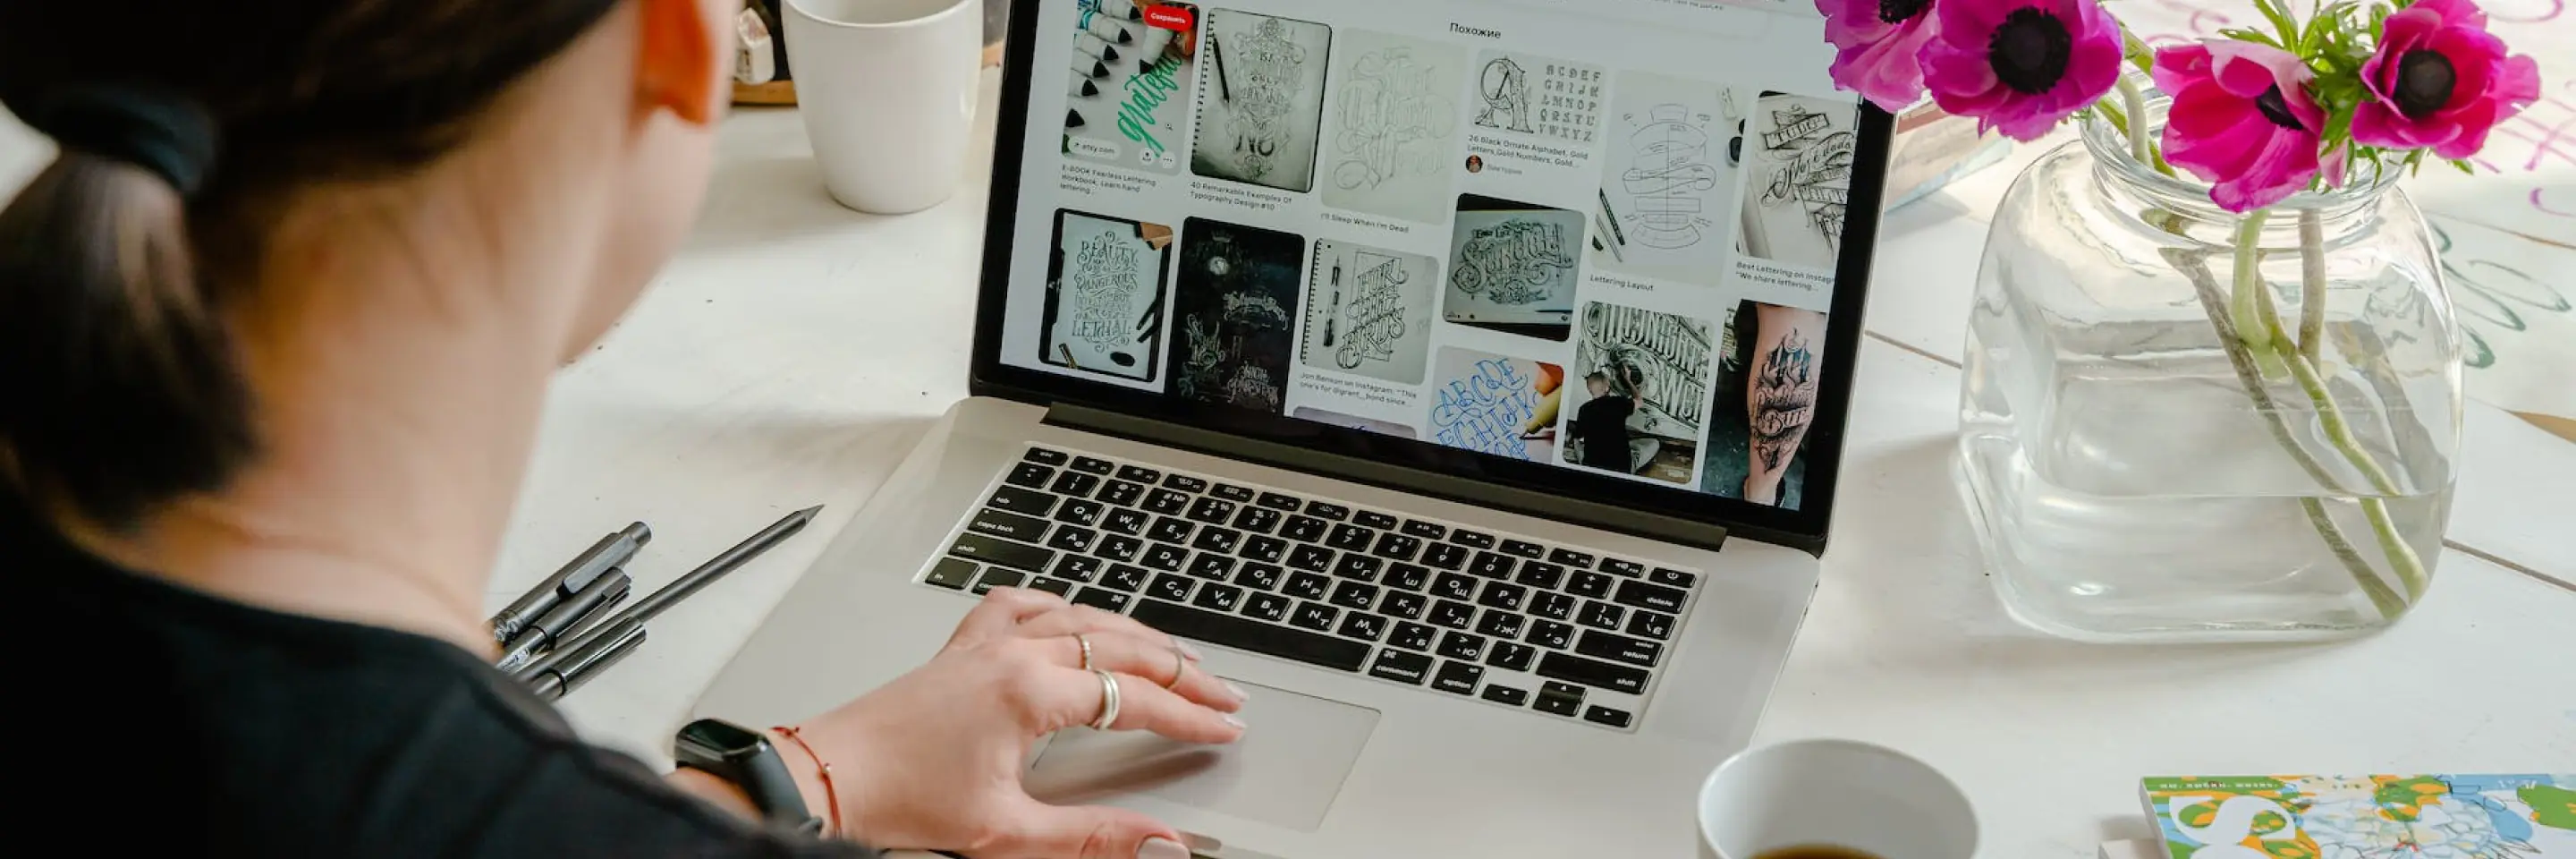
676,68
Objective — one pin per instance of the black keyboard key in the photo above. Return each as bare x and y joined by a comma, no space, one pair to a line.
1314,616
1571,558
1270,607
1311,558
1327,510
1509,696
1103,599
1672,578
1657,597
1397,547
1472,539
1500,624
1276,501
1207,566
1511,656
1126,521
1029,474
952,573
1458,677
1058,587
1215,539
1216,597
1359,567
1407,577
1079,568
1026,502
1460,645
1401,667
1355,595
1231,492
1018,556
1071,538
1413,636
1351,538
1606,716
1120,492
1091,465
1601,615
1593,672
1118,547
1305,529
1593,585
1454,615
1363,626
1139,474
1308,586
1374,519
1171,587
1503,595
1170,530
1554,606
1075,484
1630,569
1554,700
1540,574
1524,548
1552,635
1651,625
1212,511
1259,577
1258,520
1619,648
996,577
1185,483
1454,586
1425,530
1165,558
1166,502
1044,456
1404,605
1010,526
1267,550
1493,565
1553,689
1252,635
1447,556
1125,578
1079,512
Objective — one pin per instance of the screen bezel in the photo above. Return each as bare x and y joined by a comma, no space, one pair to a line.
1805,528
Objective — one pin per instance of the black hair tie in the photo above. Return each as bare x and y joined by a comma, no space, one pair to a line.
155,129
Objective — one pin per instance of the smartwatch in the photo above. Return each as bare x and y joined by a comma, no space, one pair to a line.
744,758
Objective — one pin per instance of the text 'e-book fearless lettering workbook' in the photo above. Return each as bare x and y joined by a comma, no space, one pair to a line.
1594,234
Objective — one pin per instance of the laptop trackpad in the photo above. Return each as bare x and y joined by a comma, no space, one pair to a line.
1285,771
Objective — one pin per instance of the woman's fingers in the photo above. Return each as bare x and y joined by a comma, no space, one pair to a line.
1155,661
1096,832
1083,618
1004,609
1144,706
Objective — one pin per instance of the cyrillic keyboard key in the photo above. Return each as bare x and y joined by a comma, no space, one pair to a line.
1454,586
1127,521
1358,567
1447,556
1259,577
1011,526
1270,607
1311,558
1363,626
1657,597
1355,595
1078,512
1462,645
1170,587
1166,502
1554,606
1267,550
1072,538
1165,558
1308,586
1493,565
1401,667
1118,547
1216,539
1593,672
1500,624
1550,634
1206,566
1255,636
1120,492
1216,597
1170,529
952,573
1018,556
1503,595
1315,616
1407,577
1126,578
1404,605
1452,614
1413,636
1651,625
1077,567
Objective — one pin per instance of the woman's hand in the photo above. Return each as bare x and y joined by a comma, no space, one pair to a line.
934,759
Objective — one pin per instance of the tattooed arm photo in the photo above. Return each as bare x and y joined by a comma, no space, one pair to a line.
1780,400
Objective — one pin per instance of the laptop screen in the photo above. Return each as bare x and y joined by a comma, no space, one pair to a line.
1596,243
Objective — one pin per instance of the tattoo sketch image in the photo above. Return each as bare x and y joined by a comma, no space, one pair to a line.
1127,102
1538,96
1765,403
1368,311
1234,310
1664,196
1261,109
1494,404
1104,301
1396,125
1801,162
1643,397
1512,267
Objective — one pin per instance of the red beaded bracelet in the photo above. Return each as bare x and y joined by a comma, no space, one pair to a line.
831,796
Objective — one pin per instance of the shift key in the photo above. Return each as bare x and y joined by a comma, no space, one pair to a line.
1591,672
1002,553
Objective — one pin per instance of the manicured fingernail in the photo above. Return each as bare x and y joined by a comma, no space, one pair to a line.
1187,650
1239,694
1161,848
1231,720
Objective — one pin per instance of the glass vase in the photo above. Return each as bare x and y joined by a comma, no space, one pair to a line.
2180,423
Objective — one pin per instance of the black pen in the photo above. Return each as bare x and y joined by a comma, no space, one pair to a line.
583,664
609,553
715,568
559,624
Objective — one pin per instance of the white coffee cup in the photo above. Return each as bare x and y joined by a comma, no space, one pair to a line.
1837,793
887,88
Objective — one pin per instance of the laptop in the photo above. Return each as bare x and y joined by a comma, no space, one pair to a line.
1467,377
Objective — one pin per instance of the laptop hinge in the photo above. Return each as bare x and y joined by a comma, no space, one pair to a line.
1402,478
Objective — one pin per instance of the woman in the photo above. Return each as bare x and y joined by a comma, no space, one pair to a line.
275,327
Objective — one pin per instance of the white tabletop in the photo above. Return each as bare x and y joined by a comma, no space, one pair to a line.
796,350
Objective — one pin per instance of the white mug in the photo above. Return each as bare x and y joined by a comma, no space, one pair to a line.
1834,793
887,88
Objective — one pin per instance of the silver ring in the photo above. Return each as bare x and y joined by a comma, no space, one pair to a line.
1108,701
1180,667
1085,641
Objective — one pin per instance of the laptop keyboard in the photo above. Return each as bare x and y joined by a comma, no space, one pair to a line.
1557,630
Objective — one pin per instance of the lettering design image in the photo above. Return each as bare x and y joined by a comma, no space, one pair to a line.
1640,393
1512,267
1368,311
1104,298
1310,413
1798,163
1127,101
1261,107
1667,203
1539,96
1234,318
1395,125
1495,404
1771,366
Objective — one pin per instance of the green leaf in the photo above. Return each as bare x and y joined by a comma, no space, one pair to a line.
2464,166
2281,23
2243,34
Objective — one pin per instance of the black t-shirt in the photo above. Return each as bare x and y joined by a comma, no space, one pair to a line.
146,718
1602,424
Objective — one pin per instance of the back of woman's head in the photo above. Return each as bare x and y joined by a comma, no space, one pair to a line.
182,128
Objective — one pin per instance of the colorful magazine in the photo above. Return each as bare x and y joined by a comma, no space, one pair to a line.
2365,817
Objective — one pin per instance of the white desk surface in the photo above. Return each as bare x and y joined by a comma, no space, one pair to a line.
796,350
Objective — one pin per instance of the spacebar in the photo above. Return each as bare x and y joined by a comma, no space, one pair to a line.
1255,636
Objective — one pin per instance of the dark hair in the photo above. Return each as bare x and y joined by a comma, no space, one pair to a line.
181,126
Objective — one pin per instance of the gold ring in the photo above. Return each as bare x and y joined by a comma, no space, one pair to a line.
1085,641
1180,667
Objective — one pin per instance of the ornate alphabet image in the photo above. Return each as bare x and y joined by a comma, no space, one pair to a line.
1234,308
1799,152
1105,296
1395,118
1368,311
1538,96
1261,109
1512,267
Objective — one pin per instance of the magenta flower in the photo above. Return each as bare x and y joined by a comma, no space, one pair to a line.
2441,80
2021,65
1875,42
2241,119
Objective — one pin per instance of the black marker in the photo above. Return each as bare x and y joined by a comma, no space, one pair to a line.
609,553
566,617
585,663
632,619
